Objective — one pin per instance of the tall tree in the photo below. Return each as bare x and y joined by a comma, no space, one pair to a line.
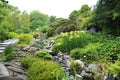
14,18
108,15
38,19
25,22
52,19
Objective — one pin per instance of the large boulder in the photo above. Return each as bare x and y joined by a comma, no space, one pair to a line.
16,71
92,67
3,70
10,78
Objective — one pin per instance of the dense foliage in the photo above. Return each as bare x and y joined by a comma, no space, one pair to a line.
9,52
43,55
69,41
75,35
45,70
115,69
88,47
107,15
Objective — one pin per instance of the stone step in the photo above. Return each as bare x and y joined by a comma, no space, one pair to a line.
1,51
2,48
6,43
3,45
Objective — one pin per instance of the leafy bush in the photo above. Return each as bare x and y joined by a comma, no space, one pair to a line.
25,38
95,46
28,61
115,69
9,52
111,49
75,53
50,32
89,52
13,35
5,28
43,55
3,35
45,70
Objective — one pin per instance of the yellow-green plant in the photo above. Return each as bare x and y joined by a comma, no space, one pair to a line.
71,40
45,70
115,69
43,55
25,38
13,35
28,61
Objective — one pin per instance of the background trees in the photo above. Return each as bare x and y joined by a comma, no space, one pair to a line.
107,16
38,19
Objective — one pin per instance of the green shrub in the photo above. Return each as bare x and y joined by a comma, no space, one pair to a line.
2,58
28,61
111,49
45,70
25,38
89,52
9,52
115,69
75,68
68,41
13,35
50,32
75,53
43,55
5,28
58,46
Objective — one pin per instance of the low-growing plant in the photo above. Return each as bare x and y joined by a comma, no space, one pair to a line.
28,61
9,52
115,69
13,35
2,58
111,49
68,41
43,55
75,68
75,53
25,38
89,52
45,70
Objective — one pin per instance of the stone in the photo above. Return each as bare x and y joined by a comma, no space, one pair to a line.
83,73
71,77
49,51
67,63
17,71
26,48
80,63
3,70
55,58
10,78
78,77
92,67
66,56
15,68
88,76
108,77
36,46
33,49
